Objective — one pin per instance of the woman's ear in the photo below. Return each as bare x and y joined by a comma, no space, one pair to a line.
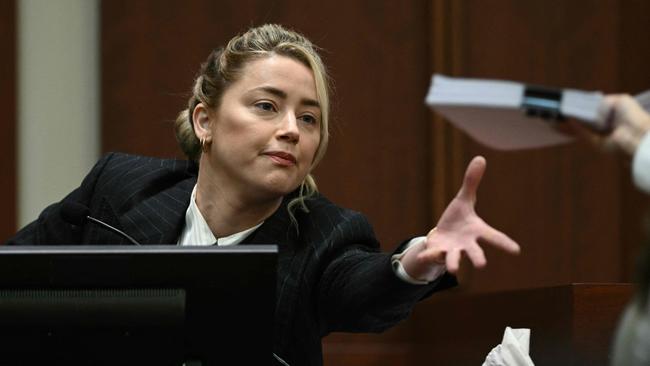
201,118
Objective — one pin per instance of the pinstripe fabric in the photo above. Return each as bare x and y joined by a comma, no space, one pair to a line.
144,197
331,274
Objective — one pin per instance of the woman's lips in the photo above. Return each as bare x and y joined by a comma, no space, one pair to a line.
281,158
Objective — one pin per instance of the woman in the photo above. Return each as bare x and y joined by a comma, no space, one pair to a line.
257,124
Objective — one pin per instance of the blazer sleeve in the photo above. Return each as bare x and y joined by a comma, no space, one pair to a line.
50,228
359,290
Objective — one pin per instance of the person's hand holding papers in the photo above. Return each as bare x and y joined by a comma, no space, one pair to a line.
630,122
459,231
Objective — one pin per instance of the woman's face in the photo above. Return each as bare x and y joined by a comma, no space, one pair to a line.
266,130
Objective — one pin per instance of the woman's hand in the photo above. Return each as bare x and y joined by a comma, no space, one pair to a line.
459,231
630,122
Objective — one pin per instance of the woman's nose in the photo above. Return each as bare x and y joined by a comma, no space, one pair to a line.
289,130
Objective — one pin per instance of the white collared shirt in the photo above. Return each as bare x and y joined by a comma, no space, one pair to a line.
197,231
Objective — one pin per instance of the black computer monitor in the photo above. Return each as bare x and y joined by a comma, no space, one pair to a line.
144,305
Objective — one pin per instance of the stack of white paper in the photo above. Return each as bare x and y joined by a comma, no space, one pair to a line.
496,113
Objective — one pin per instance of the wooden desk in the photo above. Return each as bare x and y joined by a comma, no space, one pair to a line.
570,325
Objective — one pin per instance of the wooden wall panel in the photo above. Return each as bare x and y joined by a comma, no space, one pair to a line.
570,325
8,120
565,205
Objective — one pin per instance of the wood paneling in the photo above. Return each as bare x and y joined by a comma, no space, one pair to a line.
567,206
8,120
446,142
570,325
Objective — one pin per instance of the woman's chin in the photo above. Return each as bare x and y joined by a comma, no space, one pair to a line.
278,188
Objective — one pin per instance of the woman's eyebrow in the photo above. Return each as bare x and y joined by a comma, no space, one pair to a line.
283,95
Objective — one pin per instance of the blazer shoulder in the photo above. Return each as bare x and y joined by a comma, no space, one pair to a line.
320,205
116,161
326,216
124,177
119,167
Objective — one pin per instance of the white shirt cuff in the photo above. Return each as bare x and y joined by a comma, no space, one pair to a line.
400,272
641,164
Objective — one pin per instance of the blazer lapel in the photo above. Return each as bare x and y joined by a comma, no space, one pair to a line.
159,218
274,230
277,229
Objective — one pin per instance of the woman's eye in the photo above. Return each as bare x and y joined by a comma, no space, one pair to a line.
266,106
308,119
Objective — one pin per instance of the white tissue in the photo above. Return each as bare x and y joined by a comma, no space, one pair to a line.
513,350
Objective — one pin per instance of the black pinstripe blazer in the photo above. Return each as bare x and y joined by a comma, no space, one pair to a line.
331,275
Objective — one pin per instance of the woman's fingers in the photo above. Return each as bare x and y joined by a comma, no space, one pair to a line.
473,176
453,260
433,254
442,248
498,239
476,255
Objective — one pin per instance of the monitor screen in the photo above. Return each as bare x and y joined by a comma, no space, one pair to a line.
122,305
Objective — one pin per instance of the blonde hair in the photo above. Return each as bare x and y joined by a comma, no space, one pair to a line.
224,67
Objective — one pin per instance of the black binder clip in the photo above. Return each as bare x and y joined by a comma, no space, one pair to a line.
542,102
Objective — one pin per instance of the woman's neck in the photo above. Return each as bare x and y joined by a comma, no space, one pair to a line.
228,211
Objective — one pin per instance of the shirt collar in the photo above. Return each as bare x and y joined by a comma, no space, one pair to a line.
197,231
